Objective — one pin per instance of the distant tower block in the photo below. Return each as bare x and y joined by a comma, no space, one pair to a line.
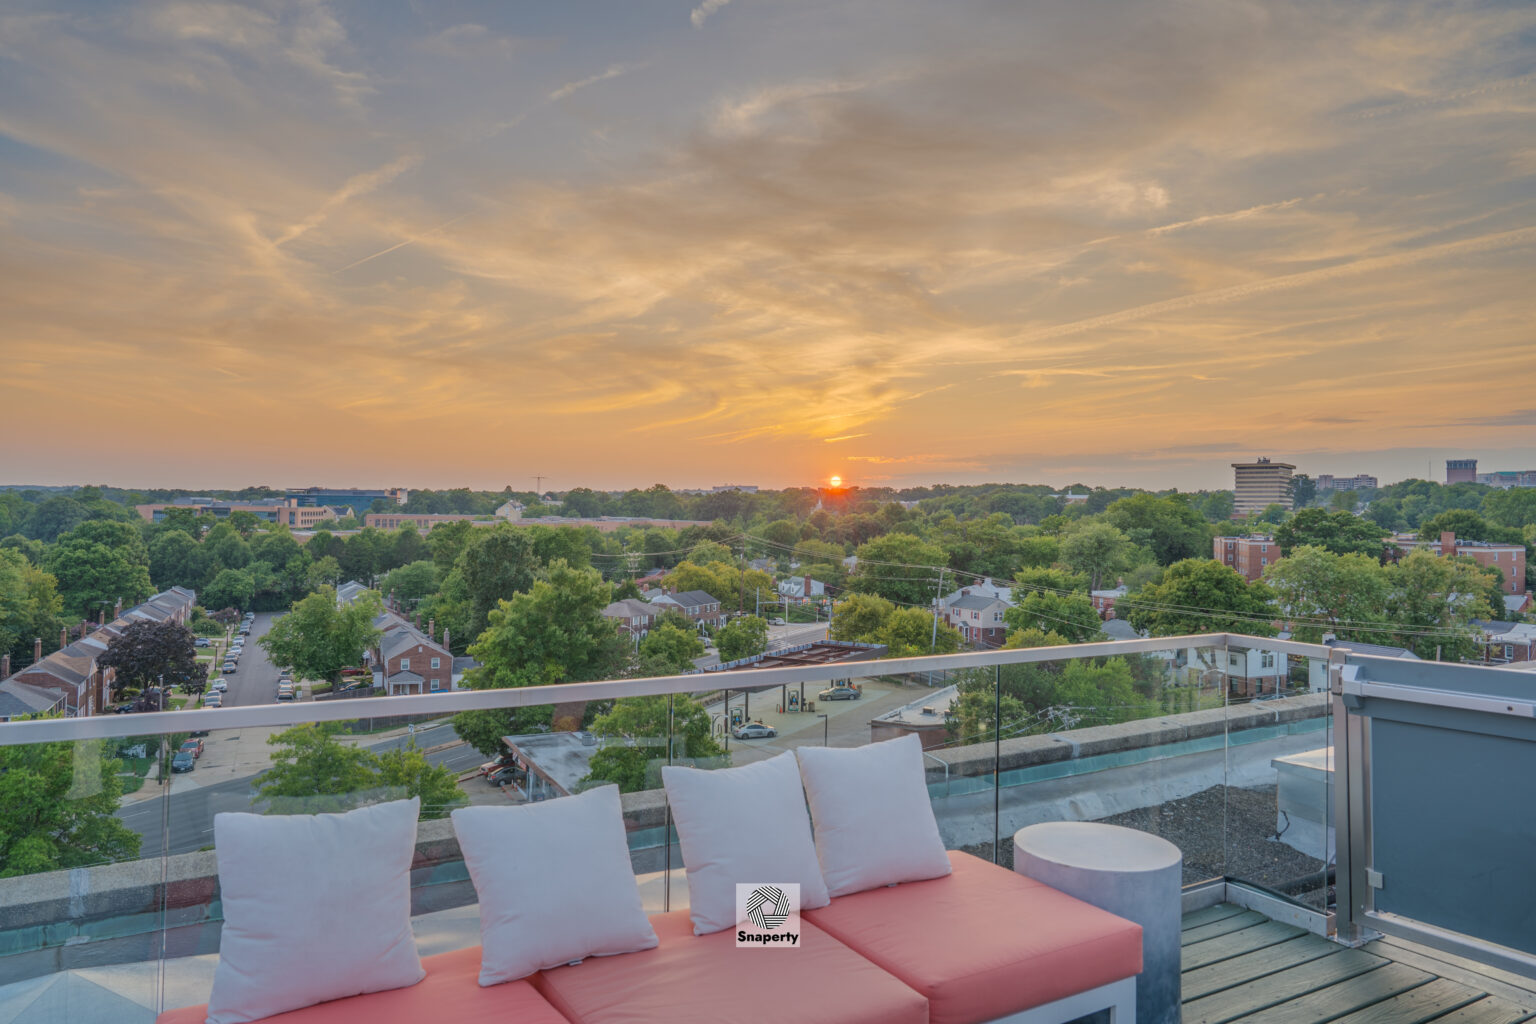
1259,485
1460,471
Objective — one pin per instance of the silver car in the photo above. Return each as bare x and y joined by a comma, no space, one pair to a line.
754,731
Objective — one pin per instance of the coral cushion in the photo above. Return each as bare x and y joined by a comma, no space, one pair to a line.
706,979
984,942
450,992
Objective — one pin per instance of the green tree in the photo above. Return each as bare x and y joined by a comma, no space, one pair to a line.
1343,533
324,572
30,605
313,772
407,771
1199,595
1168,526
1071,616
901,568
224,548
99,563
317,639
496,565
642,737
54,518
147,652
176,560
1432,602
1096,549
554,633
861,615
742,638
1322,592
231,588
410,583
1515,507
60,802
1467,525
909,632
669,650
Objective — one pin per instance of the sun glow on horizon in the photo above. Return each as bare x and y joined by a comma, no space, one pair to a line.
836,481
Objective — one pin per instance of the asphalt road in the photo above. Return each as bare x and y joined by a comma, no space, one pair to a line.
255,680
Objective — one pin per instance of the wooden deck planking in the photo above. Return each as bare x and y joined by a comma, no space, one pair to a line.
1247,999
1235,923
1345,997
1488,1010
1198,954
1196,918
1224,974
1416,1006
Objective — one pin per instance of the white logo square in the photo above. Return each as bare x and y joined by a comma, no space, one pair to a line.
768,915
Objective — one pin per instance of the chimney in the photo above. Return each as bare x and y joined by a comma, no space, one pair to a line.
117,610
418,620
805,591
445,636
1447,544
37,650
63,637
5,666
432,630
103,616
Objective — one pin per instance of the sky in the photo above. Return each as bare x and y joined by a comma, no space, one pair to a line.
612,243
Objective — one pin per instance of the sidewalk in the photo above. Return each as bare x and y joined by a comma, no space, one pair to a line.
846,725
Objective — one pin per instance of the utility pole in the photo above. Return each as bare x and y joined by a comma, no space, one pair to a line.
934,643
538,488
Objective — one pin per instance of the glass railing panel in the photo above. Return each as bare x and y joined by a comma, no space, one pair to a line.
1278,810
80,934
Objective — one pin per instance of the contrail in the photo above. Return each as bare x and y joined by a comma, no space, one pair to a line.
399,245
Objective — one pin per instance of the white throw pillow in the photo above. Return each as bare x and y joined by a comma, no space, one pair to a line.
739,826
316,907
874,822
554,881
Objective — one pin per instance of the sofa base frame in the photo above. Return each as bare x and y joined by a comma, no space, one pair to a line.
1118,997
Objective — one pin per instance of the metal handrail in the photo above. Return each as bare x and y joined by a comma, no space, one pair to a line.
454,701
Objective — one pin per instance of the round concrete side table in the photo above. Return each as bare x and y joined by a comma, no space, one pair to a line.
1134,875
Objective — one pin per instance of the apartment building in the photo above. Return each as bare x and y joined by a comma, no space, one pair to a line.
280,511
1460,471
1260,484
1509,559
1329,482
696,604
1249,555
634,617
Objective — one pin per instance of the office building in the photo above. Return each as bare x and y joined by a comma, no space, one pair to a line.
1259,485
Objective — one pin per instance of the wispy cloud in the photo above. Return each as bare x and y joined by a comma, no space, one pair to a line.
704,10
612,71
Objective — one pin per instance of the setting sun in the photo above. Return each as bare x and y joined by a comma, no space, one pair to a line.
836,481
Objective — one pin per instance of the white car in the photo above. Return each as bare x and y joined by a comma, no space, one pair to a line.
218,686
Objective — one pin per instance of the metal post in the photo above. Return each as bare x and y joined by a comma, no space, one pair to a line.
1347,796
825,729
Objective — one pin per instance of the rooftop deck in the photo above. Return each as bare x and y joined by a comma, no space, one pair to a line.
1241,966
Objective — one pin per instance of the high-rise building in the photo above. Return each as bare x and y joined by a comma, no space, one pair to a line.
1460,471
1259,485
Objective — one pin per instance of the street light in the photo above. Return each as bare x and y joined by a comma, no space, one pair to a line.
825,726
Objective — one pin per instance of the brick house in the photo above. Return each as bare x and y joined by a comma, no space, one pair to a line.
634,617
696,604
408,661
1104,600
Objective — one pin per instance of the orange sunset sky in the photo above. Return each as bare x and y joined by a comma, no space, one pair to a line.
763,241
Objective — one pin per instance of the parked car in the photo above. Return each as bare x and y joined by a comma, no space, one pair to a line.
754,731
202,641
123,708
245,630
229,665
194,747
183,762
501,776
218,686
284,697
840,692
501,762
213,700
777,621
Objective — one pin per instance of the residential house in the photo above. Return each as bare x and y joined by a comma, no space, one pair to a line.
1104,600
19,701
1517,604
408,661
801,589
979,618
635,617
987,586
1505,642
696,604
